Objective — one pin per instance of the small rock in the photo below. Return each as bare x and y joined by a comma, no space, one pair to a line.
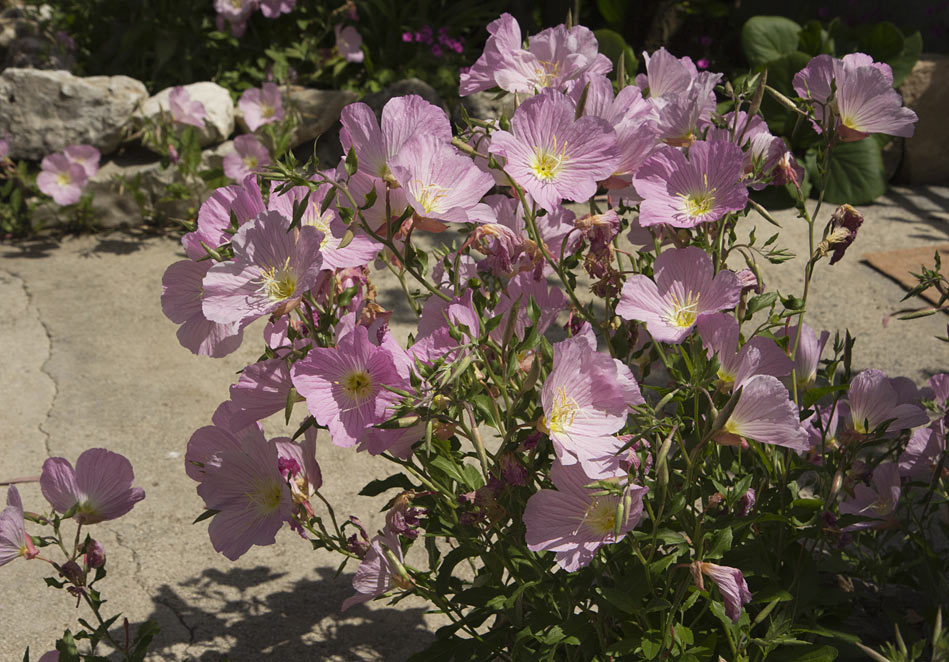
219,121
484,106
319,111
45,111
926,91
403,88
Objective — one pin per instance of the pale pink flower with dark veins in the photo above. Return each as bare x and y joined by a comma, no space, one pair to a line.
521,290
270,268
349,43
685,288
61,179
765,413
85,156
439,182
249,157
554,156
402,119
182,293
874,398
923,451
807,358
572,521
586,400
731,584
261,106
758,356
252,496
376,574
242,200
261,391
100,487
505,39
876,501
344,385
184,109
685,192
14,540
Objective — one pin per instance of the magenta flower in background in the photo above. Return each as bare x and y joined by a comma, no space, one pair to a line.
574,523
439,182
61,179
182,294
184,110
85,156
586,400
343,385
270,269
685,192
251,494
874,399
402,119
261,106
765,413
376,573
552,155
243,200
730,582
684,289
297,464
666,74
274,8
100,487
14,540
249,157
349,43
876,501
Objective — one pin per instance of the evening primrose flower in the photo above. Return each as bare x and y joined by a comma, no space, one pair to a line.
807,358
184,109
61,179
243,201
14,540
552,155
876,501
758,356
765,413
685,288
271,268
98,489
349,43
86,156
261,106
874,398
249,157
730,582
573,521
686,192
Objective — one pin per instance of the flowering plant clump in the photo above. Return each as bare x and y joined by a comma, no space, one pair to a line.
608,440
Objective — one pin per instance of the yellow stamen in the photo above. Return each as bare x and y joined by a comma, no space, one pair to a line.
600,516
278,282
563,412
430,196
547,72
63,179
683,313
547,163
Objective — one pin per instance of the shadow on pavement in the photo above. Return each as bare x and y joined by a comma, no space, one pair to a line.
236,616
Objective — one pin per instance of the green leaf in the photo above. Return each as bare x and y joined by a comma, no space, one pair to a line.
767,38
762,301
719,543
809,653
814,39
210,512
613,11
856,173
612,45
903,63
376,487
352,163
67,648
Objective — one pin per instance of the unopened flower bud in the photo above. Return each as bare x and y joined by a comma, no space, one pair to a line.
95,554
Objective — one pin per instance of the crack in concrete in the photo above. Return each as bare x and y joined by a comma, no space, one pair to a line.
31,308
181,619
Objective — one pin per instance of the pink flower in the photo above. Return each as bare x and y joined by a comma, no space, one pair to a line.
14,541
874,399
246,486
682,96
586,400
552,155
731,583
402,119
686,192
349,43
182,294
61,179
377,574
261,391
924,451
573,522
242,200
4,146
344,385
184,110
439,182
874,502
100,487
765,413
270,268
809,349
249,157
261,106
684,290
274,8
522,289
758,356
85,156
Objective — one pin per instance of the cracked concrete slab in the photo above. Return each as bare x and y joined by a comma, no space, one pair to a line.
89,360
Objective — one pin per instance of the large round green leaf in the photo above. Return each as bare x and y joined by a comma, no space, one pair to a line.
856,173
613,46
766,38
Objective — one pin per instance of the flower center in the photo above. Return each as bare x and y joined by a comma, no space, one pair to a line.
546,162
430,196
684,312
250,161
547,72
321,222
278,282
266,110
357,385
563,413
266,495
63,179
600,516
